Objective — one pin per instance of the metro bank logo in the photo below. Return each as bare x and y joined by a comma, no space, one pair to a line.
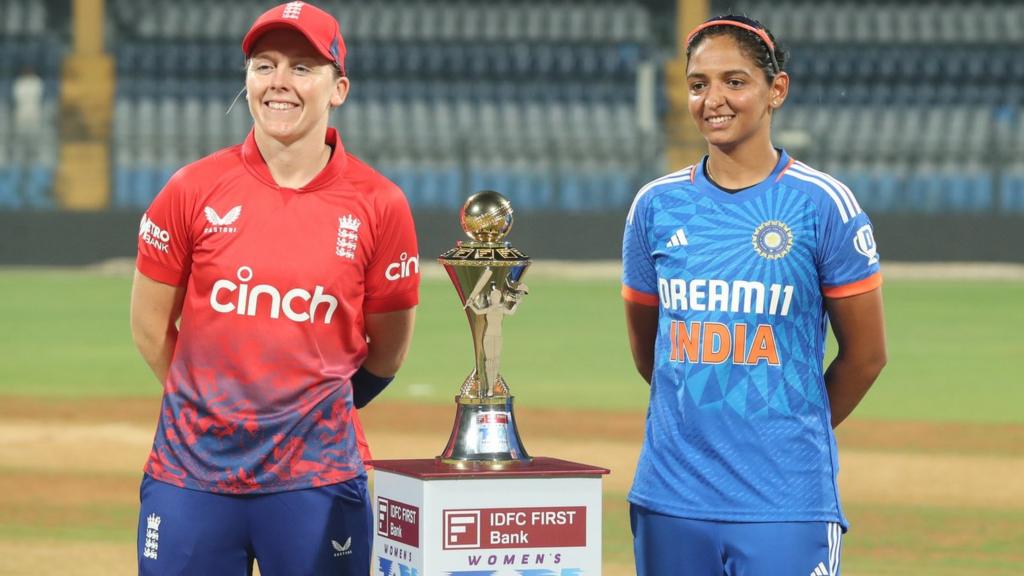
154,235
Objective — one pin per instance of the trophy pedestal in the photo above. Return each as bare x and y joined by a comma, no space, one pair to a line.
433,518
484,506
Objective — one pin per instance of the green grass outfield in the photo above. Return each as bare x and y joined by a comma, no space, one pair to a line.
953,346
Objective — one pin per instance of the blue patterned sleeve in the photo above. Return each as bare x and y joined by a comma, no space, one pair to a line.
848,256
638,271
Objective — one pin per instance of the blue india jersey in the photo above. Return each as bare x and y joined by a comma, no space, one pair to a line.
739,427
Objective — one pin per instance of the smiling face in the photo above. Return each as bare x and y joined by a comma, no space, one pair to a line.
291,88
730,99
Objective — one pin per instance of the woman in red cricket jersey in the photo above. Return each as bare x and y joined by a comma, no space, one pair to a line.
263,304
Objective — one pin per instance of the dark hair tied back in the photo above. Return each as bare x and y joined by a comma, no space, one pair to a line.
768,55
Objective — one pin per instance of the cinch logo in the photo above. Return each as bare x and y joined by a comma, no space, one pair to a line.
153,235
404,268
247,301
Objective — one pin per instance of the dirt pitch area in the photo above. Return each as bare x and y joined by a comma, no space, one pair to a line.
69,473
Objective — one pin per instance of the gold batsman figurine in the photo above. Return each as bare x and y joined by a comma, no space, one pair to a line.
487,275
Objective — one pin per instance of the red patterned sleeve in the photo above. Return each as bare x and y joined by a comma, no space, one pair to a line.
165,236
393,275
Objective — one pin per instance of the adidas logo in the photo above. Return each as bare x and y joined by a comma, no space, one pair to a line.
342,549
678,239
820,570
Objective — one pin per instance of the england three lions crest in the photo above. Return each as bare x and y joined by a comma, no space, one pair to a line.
348,237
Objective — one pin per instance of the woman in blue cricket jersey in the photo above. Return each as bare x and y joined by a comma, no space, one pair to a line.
733,269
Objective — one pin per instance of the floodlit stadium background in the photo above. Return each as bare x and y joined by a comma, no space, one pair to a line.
566,107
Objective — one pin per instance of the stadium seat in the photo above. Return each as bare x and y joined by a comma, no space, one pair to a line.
37,186
1011,190
10,177
882,90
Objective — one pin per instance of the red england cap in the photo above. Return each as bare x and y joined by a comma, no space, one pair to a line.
319,27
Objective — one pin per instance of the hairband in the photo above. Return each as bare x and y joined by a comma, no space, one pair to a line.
759,31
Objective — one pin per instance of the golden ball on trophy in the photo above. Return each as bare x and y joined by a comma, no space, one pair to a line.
486,216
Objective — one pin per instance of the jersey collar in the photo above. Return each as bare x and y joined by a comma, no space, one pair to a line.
254,162
705,185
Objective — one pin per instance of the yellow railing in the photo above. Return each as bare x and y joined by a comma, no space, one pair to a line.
86,114
684,143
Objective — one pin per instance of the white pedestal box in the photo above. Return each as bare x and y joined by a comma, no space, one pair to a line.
536,519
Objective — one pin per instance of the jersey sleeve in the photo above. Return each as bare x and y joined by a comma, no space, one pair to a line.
393,275
639,277
848,256
165,242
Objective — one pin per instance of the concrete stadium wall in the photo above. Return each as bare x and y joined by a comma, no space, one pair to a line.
70,238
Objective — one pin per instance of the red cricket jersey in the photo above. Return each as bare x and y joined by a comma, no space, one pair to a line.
277,280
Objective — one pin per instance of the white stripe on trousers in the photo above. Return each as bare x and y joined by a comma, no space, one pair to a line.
835,545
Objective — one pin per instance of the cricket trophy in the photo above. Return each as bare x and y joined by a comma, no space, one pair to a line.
487,274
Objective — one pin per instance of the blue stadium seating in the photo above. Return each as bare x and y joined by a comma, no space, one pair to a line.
1011,191
9,178
431,81
915,118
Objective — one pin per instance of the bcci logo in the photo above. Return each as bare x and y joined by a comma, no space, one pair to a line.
773,239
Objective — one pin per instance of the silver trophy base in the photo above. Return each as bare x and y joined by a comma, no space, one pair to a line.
484,433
